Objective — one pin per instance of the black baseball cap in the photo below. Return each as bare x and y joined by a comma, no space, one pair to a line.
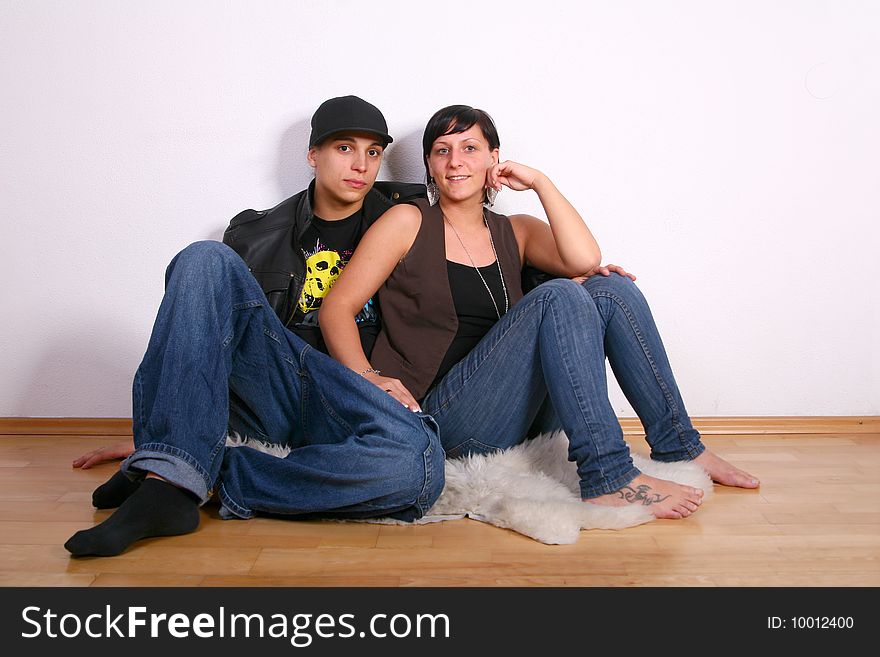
347,114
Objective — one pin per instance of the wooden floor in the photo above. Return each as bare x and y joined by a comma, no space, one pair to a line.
815,521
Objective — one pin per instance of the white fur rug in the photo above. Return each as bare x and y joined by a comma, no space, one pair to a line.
533,489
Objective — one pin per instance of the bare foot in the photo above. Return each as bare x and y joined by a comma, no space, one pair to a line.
724,473
665,499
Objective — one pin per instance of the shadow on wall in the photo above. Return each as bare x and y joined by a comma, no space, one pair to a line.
82,375
294,173
404,161
216,234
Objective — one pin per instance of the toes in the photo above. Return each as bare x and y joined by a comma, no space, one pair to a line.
694,496
738,478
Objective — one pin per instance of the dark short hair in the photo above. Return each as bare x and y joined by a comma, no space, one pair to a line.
453,120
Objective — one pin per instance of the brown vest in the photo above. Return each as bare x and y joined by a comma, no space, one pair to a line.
418,314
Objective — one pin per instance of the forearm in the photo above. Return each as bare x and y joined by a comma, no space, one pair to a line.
575,243
342,337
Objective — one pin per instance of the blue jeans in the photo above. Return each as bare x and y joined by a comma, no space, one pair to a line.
220,360
542,367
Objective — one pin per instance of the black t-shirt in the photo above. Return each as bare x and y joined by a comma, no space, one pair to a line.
327,247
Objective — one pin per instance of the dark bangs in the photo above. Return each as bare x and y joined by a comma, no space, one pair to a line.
455,119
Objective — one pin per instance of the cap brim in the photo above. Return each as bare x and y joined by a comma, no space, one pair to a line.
387,139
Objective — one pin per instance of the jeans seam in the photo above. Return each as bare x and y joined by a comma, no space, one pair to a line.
333,414
676,424
218,446
575,391
138,382
490,449
303,372
247,304
305,418
422,499
236,508
302,356
271,335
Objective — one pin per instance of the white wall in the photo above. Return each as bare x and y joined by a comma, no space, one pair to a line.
725,152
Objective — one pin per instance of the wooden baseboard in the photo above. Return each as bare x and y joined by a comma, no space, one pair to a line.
765,425
66,426
69,426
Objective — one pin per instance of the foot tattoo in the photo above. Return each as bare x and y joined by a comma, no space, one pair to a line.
640,494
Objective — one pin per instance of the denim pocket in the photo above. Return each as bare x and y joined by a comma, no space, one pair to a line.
429,422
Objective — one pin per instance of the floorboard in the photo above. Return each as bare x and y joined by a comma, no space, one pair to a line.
814,522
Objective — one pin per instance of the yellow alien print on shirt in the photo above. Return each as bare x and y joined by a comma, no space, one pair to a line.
323,267
322,270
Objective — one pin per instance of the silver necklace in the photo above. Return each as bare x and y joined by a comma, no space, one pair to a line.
479,273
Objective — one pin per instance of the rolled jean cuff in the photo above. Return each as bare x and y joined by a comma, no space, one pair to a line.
607,487
172,464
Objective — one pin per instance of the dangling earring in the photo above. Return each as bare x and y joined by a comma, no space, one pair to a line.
491,195
433,192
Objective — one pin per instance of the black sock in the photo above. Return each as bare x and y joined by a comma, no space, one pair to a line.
114,491
156,508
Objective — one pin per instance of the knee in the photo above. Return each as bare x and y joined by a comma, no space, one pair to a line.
613,281
614,285
207,257
563,297
207,251
560,289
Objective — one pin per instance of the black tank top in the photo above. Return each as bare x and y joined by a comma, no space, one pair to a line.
475,310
